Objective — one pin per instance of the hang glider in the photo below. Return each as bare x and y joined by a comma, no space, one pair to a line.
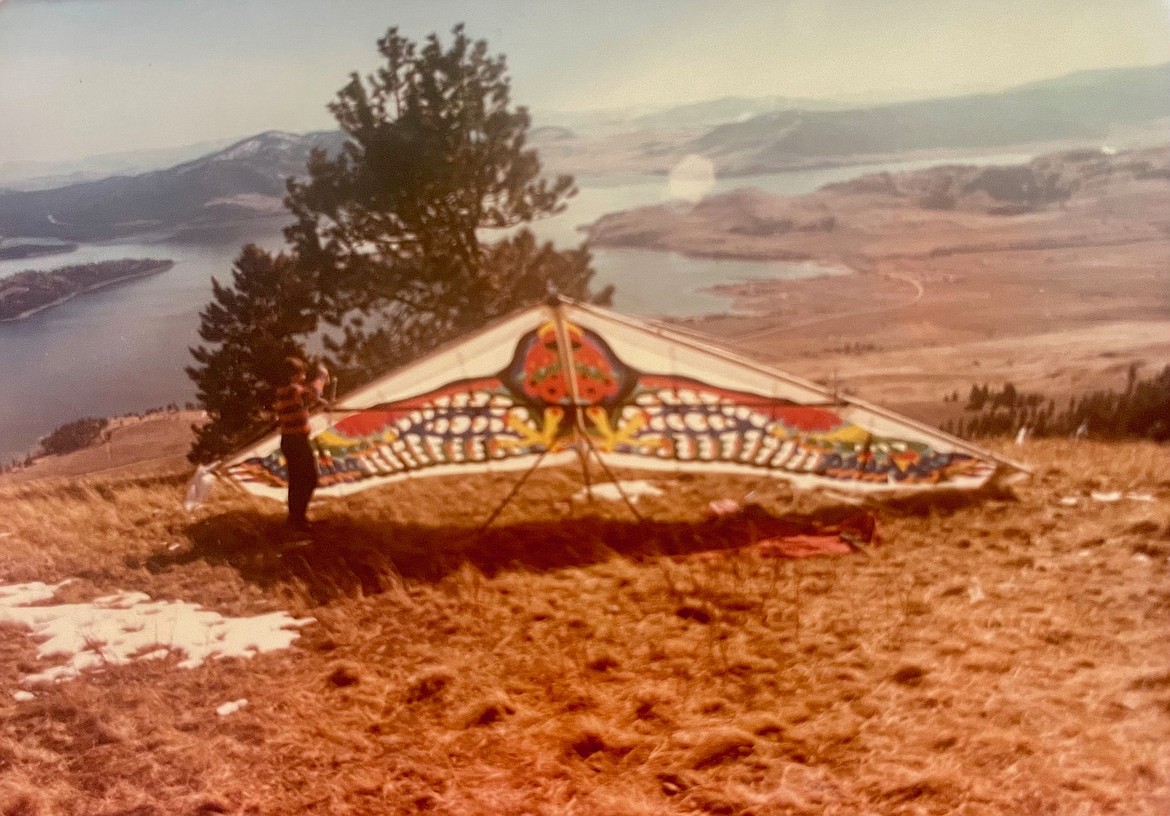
561,379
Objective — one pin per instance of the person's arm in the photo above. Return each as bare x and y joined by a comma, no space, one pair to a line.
319,381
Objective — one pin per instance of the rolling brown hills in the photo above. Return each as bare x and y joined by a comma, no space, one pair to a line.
1055,274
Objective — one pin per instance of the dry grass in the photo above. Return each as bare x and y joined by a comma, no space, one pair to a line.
130,446
1001,656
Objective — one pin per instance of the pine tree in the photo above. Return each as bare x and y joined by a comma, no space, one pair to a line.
387,248
251,326
436,158
1010,395
974,403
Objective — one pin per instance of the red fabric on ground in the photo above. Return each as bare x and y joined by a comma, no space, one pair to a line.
800,546
752,531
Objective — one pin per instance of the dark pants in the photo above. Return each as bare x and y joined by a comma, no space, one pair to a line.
302,476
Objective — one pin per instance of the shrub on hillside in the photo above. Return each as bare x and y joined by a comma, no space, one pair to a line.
74,435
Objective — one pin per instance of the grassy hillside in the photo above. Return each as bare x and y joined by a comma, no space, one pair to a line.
1006,655
130,446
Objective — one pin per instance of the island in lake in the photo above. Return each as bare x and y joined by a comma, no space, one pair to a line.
32,291
19,250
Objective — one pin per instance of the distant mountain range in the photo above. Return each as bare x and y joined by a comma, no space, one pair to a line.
730,109
44,175
1080,107
241,182
710,112
246,180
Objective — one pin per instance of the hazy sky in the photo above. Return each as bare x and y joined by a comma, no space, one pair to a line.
83,77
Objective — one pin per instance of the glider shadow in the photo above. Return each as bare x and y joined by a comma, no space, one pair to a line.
349,556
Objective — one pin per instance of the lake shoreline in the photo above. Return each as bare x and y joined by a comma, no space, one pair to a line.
23,252
158,268
909,301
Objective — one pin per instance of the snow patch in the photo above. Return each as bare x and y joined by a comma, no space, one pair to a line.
271,139
1109,497
249,201
127,626
724,507
230,708
612,491
975,592
25,594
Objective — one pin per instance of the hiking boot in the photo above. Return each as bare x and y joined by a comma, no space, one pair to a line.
297,535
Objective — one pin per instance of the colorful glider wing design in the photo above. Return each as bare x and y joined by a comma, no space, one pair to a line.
563,379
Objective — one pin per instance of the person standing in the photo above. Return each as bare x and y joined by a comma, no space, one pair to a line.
293,402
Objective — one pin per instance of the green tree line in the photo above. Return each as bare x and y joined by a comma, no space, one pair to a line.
1140,410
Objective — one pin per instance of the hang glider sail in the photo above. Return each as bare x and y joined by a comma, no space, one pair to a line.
557,380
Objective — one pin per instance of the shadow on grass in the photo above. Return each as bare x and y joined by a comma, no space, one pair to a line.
946,502
347,555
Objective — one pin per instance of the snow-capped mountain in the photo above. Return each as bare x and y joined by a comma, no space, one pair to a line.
243,181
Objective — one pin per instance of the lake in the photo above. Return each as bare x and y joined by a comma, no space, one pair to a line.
123,349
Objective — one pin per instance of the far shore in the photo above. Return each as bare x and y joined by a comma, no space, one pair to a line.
22,251
158,268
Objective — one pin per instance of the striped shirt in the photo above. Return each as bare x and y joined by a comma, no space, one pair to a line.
292,406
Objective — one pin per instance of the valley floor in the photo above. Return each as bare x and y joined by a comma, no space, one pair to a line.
1059,301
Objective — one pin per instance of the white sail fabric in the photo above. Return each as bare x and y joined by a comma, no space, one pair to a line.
557,379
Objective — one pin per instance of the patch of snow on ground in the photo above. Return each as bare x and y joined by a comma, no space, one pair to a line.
25,594
231,708
724,507
612,491
975,592
127,626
